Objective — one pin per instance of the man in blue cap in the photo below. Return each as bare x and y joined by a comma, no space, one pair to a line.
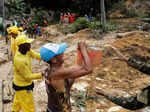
59,79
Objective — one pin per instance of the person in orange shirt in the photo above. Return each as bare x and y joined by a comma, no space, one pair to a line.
69,17
72,18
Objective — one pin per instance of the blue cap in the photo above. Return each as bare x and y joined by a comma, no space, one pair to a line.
48,51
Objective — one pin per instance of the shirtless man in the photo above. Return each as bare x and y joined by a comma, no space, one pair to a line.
59,79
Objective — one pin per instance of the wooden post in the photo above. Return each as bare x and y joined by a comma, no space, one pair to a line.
3,14
103,15
1,96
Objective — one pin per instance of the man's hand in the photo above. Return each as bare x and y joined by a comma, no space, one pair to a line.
81,45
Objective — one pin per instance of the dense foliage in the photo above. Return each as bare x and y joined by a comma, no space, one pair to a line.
79,24
79,6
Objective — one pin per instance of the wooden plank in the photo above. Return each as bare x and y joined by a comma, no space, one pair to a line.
1,96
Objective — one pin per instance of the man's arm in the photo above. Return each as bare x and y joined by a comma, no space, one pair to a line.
86,60
139,65
77,71
35,55
129,102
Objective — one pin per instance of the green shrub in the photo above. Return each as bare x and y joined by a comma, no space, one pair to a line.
81,98
95,25
79,24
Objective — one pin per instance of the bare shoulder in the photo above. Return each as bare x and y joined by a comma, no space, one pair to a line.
63,73
68,69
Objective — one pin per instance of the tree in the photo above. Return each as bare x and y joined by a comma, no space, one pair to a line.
103,15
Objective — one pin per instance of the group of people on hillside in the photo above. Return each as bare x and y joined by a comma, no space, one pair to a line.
67,17
58,79
32,29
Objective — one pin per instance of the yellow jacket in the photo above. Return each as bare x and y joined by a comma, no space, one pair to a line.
23,75
21,34
13,46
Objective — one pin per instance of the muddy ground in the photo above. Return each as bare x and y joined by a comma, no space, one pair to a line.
110,74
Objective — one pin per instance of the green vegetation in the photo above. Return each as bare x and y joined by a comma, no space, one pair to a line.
82,23
95,25
81,98
79,24
16,7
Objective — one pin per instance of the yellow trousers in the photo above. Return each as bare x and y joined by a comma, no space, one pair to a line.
24,101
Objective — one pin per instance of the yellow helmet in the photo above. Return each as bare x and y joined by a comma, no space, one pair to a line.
20,29
22,40
14,29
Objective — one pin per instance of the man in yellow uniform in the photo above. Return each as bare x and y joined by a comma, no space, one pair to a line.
13,33
23,76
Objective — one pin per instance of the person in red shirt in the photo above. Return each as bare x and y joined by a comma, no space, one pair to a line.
45,22
36,26
69,17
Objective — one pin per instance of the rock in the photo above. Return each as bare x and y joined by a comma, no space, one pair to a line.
145,110
7,99
82,109
80,86
114,109
8,91
99,110
99,79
